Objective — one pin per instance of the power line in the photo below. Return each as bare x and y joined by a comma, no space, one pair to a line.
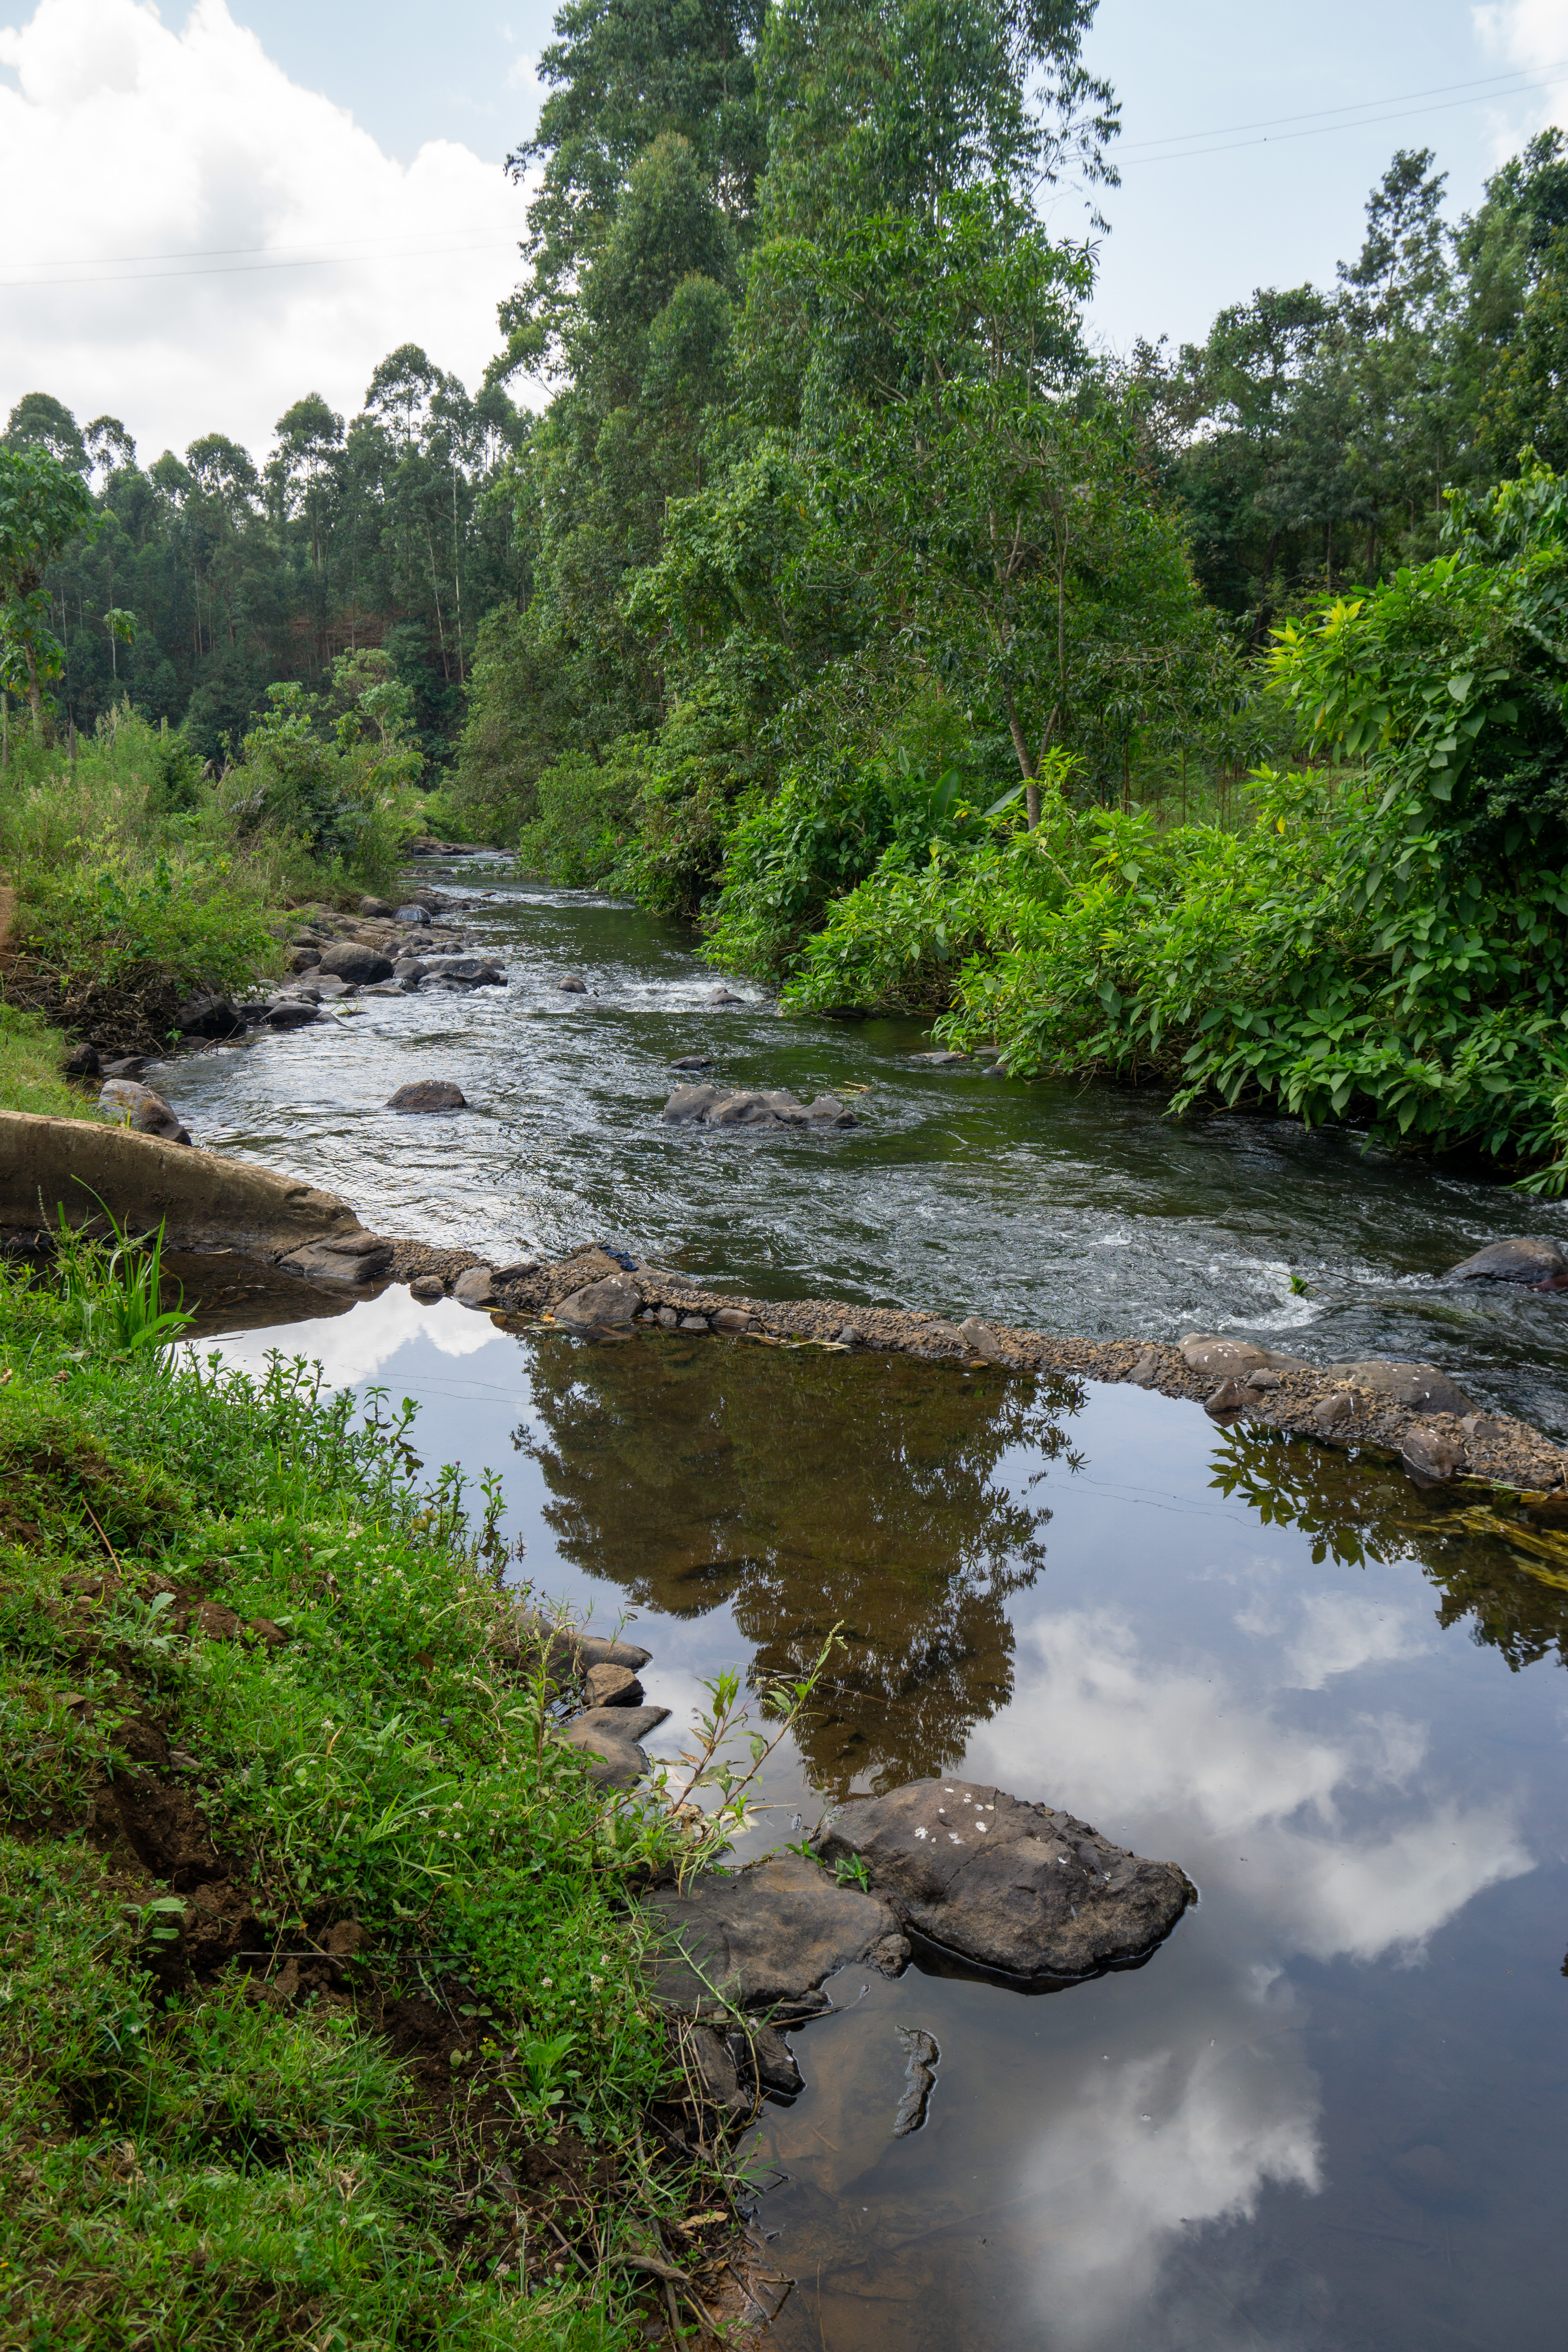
1395,97
1323,130
369,246
253,269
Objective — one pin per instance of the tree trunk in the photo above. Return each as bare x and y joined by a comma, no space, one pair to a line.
34,693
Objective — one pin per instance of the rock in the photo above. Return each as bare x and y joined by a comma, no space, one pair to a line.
688,1104
668,1318
330,986
83,1063
595,1651
418,916
129,1104
942,1060
731,1319
474,1286
355,1258
292,1012
1416,1388
710,2073
428,1289
773,2061
1145,1372
304,959
828,1111
408,971
1428,1453
983,1339
1233,1358
611,1737
724,996
207,1016
428,1095
1528,1258
693,1062
614,1301
694,1323
381,988
128,1065
921,2056
571,985
741,1110
348,960
376,906
480,971
766,1937
1007,1885
1336,1410
437,986
1261,1381
1228,1397
612,1687
936,1336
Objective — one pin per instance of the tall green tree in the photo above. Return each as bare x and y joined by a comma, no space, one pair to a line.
44,506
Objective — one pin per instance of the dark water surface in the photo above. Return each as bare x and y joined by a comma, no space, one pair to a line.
1331,2112
1065,1209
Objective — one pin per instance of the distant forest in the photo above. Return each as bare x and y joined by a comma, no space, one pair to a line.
228,575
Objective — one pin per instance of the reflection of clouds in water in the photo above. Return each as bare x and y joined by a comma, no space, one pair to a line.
1338,1632
353,1347
1183,2134
1326,1844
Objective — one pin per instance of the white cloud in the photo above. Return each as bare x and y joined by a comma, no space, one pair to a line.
1533,36
152,183
353,1347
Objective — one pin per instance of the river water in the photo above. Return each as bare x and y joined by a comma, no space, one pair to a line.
1331,2112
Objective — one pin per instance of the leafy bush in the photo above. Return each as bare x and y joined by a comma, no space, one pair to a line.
174,927
31,1058
585,815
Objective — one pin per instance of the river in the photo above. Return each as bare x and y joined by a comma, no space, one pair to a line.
1329,2113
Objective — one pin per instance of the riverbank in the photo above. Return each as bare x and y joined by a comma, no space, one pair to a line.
324,1998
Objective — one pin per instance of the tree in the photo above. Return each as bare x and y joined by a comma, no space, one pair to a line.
43,504
39,421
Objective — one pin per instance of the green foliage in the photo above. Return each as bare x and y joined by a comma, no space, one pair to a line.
31,1054
585,814
193,2153
44,504
117,926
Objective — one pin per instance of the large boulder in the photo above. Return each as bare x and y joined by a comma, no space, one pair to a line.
1016,1887
480,971
706,1106
1414,1388
79,1167
765,1937
1528,1258
131,1104
351,961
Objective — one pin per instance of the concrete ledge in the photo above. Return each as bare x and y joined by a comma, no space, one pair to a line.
205,1201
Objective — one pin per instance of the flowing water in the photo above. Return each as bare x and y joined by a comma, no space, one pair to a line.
1331,2112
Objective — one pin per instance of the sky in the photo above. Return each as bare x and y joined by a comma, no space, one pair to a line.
213,209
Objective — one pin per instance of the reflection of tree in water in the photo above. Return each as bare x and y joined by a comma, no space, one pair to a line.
802,1490
1514,1591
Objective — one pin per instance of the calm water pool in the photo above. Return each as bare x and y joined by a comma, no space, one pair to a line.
1331,2112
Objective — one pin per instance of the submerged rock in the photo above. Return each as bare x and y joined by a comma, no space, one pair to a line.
708,1106
922,2057
571,985
765,1936
611,1738
1528,1258
1016,1887
428,1095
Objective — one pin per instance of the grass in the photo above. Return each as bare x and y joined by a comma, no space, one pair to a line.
323,2019
32,1055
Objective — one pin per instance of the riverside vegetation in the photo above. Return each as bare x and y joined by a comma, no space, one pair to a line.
321,1980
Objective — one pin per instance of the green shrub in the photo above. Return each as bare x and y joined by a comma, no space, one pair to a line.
587,811
31,1054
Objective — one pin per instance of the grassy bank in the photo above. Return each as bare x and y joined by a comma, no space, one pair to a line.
323,2013
142,877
